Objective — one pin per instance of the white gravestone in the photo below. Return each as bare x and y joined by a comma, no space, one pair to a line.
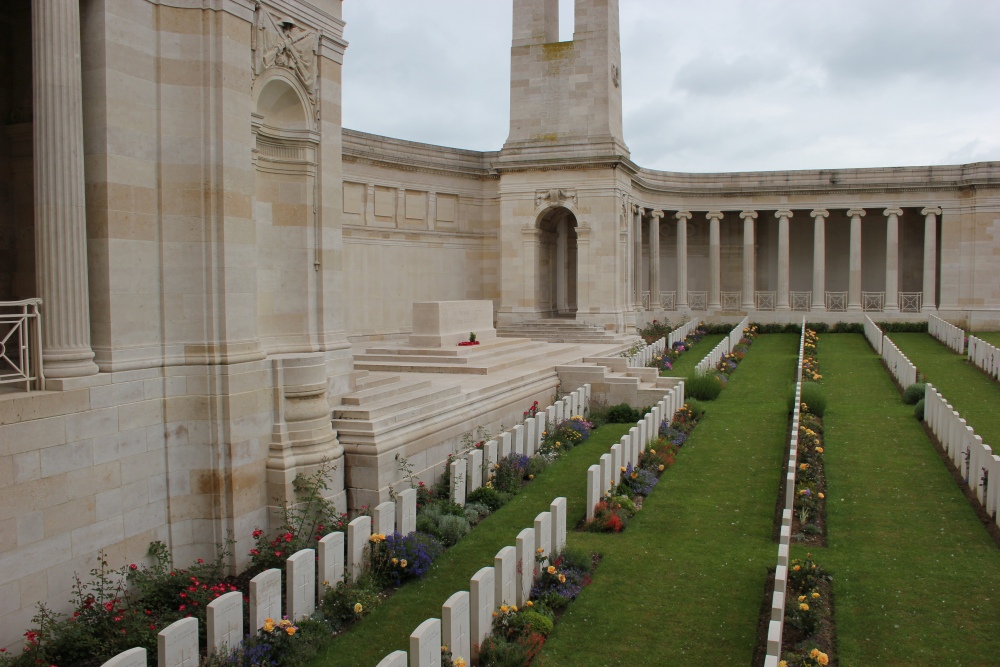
456,626
458,481
265,598
474,473
525,564
300,573
540,426
633,447
586,397
641,425
330,553
406,512
607,477
560,416
394,659
490,458
558,511
359,531
550,417
519,439
481,588
634,441
505,571
177,644
224,617
543,536
134,657
626,443
616,463
593,489
384,518
425,644
505,448
530,437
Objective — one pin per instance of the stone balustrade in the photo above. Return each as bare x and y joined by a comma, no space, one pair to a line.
21,344
947,333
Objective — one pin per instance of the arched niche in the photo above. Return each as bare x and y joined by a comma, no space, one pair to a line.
557,262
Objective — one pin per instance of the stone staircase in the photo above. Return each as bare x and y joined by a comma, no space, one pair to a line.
559,330
613,381
490,356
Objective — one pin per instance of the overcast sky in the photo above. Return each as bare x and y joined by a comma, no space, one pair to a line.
713,85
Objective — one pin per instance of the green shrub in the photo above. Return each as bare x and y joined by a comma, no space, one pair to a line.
918,410
702,387
537,464
476,512
341,601
486,496
902,327
451,529
715,329
696,408
848,327
454,509
535,622
818,327
814,396
623,413
913,393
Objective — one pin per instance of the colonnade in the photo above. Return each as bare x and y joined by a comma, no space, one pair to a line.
852,301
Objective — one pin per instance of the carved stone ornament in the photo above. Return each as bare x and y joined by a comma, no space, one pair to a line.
555,196
616,76
279,42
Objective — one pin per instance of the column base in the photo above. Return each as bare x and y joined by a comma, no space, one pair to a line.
891,311
854,307
785,309
928,309
818,308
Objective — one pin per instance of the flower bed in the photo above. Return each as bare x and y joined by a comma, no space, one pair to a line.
665,361
809,518
808,635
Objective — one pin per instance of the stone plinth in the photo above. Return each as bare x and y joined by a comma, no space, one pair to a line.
448,323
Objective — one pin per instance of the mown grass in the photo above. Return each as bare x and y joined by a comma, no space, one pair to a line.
683,584
388,628
974,395
686,362
992,337
915,575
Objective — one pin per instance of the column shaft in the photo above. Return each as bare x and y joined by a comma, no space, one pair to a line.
60,215
819,259
930,258
854,268
714,261
654,260
783,259
892,259
561,267
748,260
637,255
682,258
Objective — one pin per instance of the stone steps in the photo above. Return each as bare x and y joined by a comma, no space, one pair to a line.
477,361
558,331
395,404
386,390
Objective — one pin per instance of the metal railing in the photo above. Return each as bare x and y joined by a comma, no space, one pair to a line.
910,302
698,300
873,301
645,300
800,300
836,302
21,343
765,300
731,300
668,300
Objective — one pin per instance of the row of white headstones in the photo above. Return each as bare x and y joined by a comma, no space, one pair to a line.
946,332
467,616
776,625
310,572
472,469
723,348
986,356
898,364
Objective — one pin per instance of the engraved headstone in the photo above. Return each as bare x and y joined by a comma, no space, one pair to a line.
530,437
425,644
558,511
384,518
265,598
505,444
474,473
519,439
525,547
505,571
330,553
394,659
134,657
456,626
300,573
481,589
359,531
543,536
593,489
406,511
225,621
177,644
458,481
607,477
616,463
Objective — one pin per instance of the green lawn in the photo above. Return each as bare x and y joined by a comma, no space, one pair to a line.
683,584
388,628
974,395
915,575
992,337
686,362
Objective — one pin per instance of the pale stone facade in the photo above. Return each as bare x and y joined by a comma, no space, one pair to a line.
208,243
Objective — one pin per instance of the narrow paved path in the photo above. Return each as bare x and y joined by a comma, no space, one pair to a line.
683,584
917,579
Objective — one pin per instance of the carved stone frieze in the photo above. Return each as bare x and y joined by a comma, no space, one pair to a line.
555,197
280,42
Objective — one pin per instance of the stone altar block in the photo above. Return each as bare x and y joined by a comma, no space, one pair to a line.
448,323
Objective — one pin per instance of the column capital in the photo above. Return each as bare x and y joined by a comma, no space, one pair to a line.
783,213
656,215
892,211
931,210
636,208
683,215
748,214
820,213
714,215
856,212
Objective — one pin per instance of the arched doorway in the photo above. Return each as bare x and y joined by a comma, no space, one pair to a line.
557,263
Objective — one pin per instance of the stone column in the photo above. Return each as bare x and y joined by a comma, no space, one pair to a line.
531,238
819,259
714,260
930,259
748,259
783,259
654,260
637,257
562,232
892,259
854,274
682,258
60,214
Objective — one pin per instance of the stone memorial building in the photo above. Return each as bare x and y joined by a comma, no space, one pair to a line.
208,285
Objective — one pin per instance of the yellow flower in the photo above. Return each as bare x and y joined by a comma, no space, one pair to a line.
804,607
819,450
822,496
662,467
284,623
635,475
458,662
529,603
513,608
623,468
783,663
552,569
268,625
539,550
531,477
291,630
402,563
494,614
562,578
803,466
802,598
823,659
395,561
813,653
504,608
815,595
358,608
652,451
797,568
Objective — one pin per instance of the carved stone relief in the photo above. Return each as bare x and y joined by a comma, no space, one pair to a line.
555,196
280,42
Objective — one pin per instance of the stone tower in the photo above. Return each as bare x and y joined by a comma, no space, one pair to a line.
565,170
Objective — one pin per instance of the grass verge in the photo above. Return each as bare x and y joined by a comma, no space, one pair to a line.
991,337
686,362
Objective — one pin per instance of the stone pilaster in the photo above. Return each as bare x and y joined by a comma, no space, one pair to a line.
60,217
654,259
637,257
783,259
930,258
748,259
819,259
892,259
682,258
714,260
854,273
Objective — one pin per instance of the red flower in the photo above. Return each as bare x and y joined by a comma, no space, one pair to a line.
288,537
133,566
254,552
182,607
109,606
200,561
257,533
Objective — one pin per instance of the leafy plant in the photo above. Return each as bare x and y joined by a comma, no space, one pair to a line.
813,398
703,386
913,393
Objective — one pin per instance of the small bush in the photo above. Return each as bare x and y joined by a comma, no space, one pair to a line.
814,397
535,622
913,393
486,496
451,529
902,327
623,413
703,386
918,410
696,408
536,464
476,512
848,327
